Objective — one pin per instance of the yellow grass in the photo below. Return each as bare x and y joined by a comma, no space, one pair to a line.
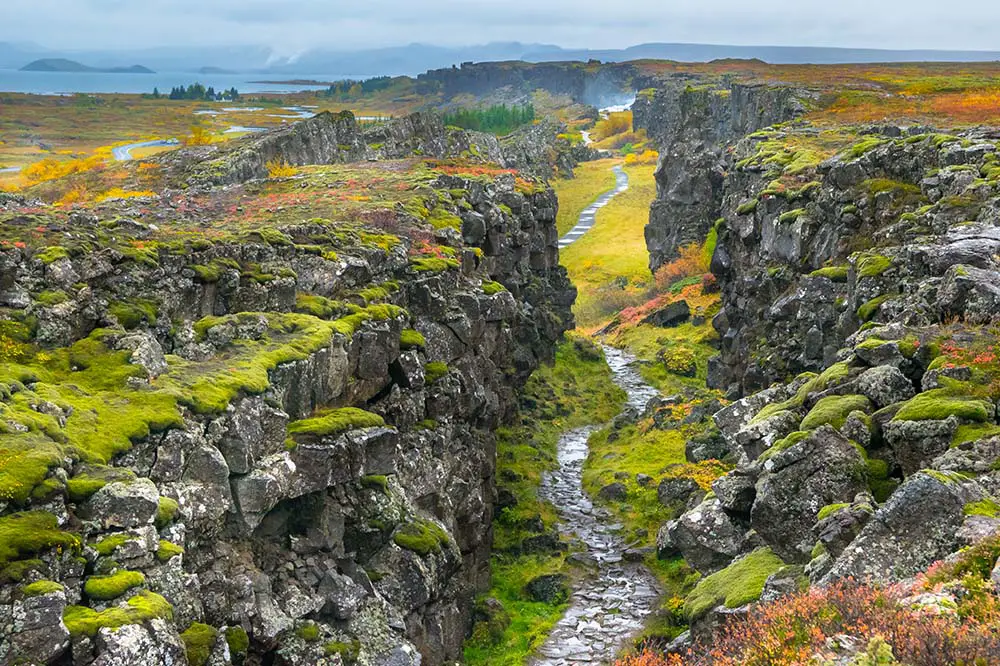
610,264
592,179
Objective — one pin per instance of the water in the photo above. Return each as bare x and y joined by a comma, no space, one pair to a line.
54,83
610,606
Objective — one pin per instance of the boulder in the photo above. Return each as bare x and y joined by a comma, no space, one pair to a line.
707,537
613,492
917,443
885,385
549,589
823,468
674,493
38,628
737,490
124,504
917,526
671,314
759,436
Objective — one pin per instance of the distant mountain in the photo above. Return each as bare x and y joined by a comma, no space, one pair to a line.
64,65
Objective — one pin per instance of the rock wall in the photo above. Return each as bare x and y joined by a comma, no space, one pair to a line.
307,449
693,121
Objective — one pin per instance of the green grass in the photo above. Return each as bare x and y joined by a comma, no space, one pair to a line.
736,585
646,341
591,180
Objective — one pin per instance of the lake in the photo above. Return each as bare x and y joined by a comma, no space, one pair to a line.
96,82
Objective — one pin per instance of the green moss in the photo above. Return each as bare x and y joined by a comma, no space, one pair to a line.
422,537
198,641
348,651
819,550
835,273
30,533
308,632
947,478
829,510
320,306
166,511
332,422
868,310
433,264
492,288
50,298
167,551
145,606
112,586
427,424
213,271
748,207
238,640
830,377
791,215
786,443
738,584
108,544
833,410
434,371
943,402
986,507
411,339
972,432
271,236
849,209
51,254
862,147
441,218
872,265
376,481
41,587
134,314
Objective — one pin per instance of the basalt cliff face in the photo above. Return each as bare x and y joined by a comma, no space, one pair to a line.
266,443
858,272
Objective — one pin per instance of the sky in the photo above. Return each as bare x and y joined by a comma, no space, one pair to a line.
292,26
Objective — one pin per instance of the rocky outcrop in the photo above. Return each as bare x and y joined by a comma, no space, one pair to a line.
692,122
278,446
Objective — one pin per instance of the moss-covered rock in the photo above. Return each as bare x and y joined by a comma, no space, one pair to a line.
740,583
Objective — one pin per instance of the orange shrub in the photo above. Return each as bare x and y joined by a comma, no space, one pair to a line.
690,262
645,157
619,122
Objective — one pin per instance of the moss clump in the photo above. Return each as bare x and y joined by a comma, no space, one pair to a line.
834,410
41,587
166,511
748,207
51,254
320,306
134,314
868,310
411,339
50,298
835,273
308,632
862,147
145,606
872,265
791,215
829,510
238,641
491,288
422,537
986,507
107,545
441,218
738,584
433,264
212,272
28,533
376,482
112,586
167,551
829,377
944,402
198,641
331,422
434,371
348,651
786,443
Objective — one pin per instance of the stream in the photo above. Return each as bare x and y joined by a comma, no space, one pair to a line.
610,605
589,214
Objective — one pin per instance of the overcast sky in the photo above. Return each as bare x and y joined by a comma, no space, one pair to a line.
291,26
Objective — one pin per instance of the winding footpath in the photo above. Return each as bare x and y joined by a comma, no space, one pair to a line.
124,153
609,606
589,214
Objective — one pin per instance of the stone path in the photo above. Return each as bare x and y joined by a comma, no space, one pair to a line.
611,605
587,217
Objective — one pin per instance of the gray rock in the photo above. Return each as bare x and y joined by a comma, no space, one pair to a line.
736,491
613,492
917,526
550,589
38,630
917,443
885,385
824,468
674,493
707,537
124,504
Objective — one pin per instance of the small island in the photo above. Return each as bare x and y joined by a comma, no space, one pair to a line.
64,65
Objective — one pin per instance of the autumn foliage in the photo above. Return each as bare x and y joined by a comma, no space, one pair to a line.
691,261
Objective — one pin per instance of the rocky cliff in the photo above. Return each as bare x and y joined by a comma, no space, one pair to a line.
858,272
255,424
693,121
